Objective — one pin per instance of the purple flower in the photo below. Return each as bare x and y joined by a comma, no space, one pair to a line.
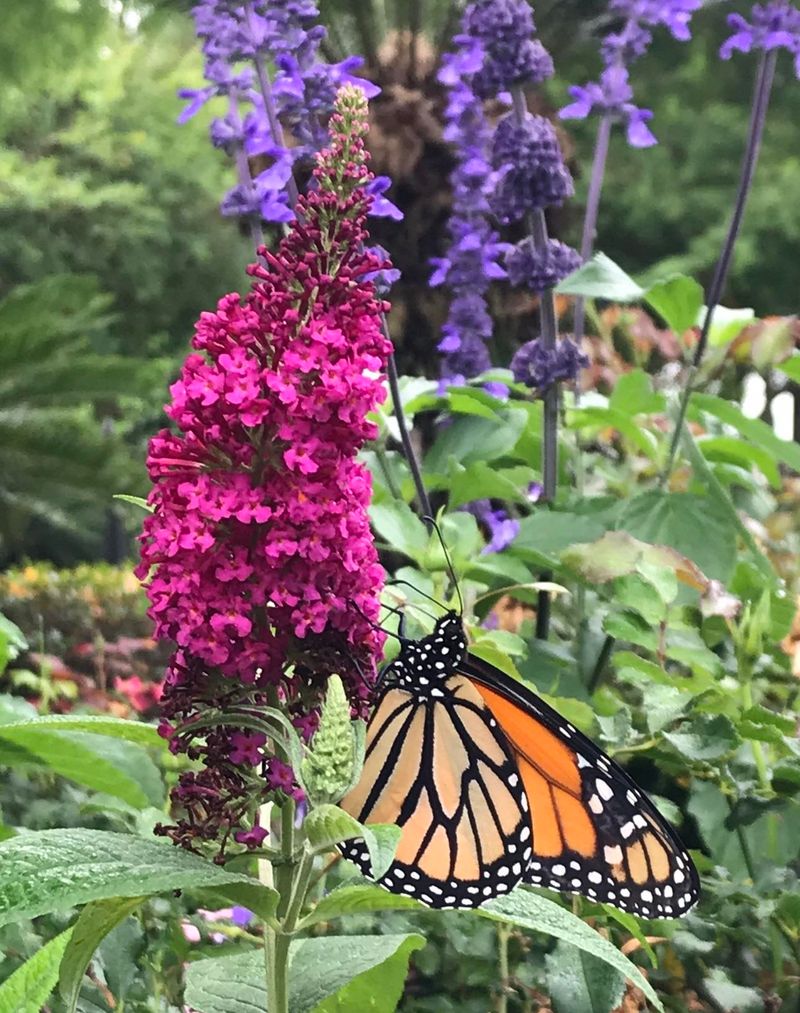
472,261
533,174
774,26
612,95
504,29
502,528
540,269
241,916
539,367
381,206
282,34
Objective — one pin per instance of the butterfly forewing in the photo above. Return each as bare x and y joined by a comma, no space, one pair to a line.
439,766
594,832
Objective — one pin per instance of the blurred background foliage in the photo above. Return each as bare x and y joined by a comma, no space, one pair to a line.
97,179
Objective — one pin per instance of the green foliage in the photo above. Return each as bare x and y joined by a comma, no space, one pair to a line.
58,458
29,987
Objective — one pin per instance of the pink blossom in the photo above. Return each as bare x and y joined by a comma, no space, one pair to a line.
258,556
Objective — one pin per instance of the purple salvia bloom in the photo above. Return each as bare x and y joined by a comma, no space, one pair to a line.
539,367
502,529
540,269
533,175
612,95
472,261
283,33
772,26
505,28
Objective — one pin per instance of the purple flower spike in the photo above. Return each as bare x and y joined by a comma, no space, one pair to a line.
774,26
533,172
538,270
539,367
504,29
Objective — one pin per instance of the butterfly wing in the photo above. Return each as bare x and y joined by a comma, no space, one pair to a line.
594,831
441,769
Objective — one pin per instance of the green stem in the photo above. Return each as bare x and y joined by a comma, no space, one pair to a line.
758,114
503,935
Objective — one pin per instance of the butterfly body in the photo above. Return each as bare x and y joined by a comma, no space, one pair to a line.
491,787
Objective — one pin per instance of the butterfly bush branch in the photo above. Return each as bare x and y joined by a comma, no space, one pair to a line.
258,557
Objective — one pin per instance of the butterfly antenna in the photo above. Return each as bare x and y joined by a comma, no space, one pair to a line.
377,626
451,569
407,583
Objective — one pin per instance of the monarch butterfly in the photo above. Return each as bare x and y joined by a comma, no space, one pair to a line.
492,787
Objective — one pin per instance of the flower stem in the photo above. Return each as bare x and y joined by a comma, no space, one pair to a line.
591,213
758,114
503,935
243,169
537,227
265,87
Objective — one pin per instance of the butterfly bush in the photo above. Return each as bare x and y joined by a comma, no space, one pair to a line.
258,555
612,94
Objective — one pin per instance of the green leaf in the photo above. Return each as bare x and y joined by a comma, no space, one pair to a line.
29,987
693,525
491,653
677,300
138,501
12,642
724,506
791,367
706,737
367,972
399,526
119,728
544,534
731,450
93,925
633,394
50,870
596,418
754,430
327,825
474,439
319,969
728,996
480,481
601,278
358,898
79,760
577,982
532,911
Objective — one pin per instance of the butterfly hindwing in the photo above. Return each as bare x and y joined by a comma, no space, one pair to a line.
594,831
439,766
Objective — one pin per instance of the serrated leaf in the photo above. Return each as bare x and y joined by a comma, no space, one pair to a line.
93,925
319,969
601,278
577,982
50,870
531,911
327,825
29,987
